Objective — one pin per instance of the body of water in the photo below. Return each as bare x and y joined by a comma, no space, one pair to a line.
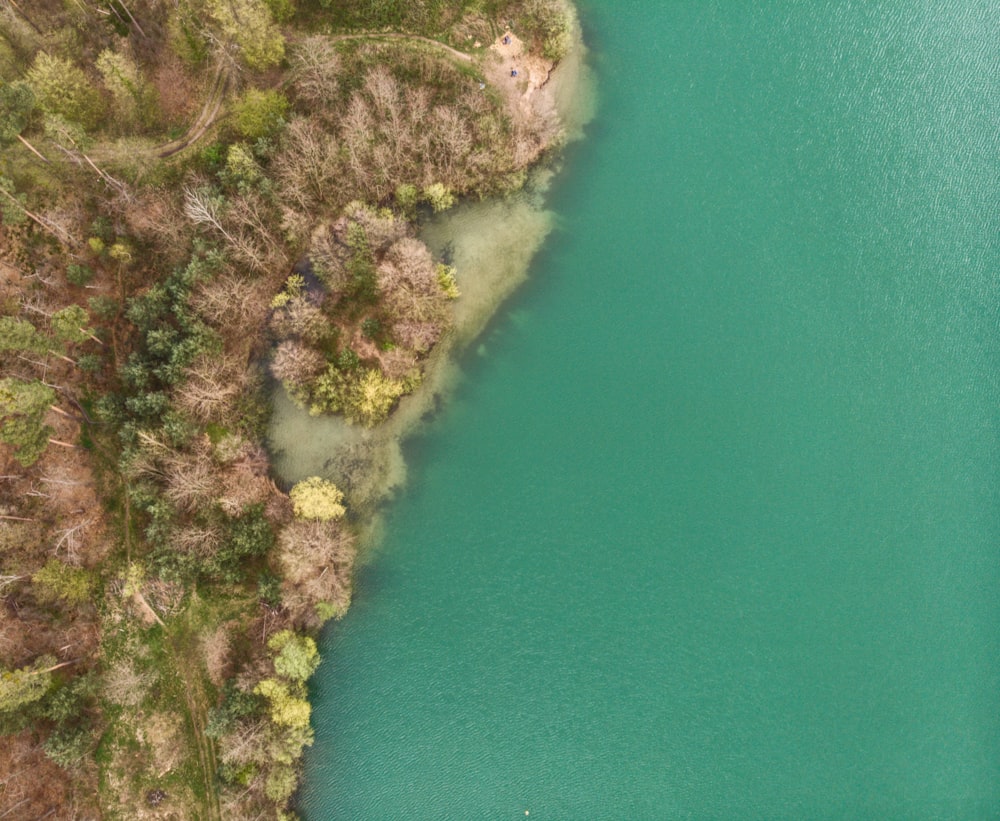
711,526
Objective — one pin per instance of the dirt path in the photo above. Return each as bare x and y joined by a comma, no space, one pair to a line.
454,52
109,152
213,103
205,118
197,708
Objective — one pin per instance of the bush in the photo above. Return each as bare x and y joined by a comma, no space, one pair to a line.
446,279
269,589
57,581
67,746
296,657
63,89
79,274
550,22
317,499
259,113
23,406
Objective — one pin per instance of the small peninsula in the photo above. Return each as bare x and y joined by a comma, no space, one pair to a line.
205,204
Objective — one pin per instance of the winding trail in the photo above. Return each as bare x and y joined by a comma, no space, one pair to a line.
209,111
220,82
197,703
393,35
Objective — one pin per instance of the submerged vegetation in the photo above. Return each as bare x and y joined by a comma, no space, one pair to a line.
162,167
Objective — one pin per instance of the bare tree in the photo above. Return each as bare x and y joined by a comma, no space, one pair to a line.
315,70
308,166
316,559
252,236
190,479
203,542
296,363
212,385
204,209
232,302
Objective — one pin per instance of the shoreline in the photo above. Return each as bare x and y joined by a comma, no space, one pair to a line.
492,244
150,286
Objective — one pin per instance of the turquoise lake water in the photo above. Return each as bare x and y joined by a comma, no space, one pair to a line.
710,528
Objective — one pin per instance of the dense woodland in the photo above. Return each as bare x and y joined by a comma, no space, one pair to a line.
164,165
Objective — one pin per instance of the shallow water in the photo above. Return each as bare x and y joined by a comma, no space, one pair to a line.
709,527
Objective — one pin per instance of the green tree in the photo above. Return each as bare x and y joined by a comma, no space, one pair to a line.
17,101
59,581
281,783
370,398
281,10
249,24
439,197
69,708
286,708
26,685
63,89
22,410
79,274
550,21
70,325
65,132
259,113
316,498
406,198
296,657
20,335
250,534
67,746
242,169
134,97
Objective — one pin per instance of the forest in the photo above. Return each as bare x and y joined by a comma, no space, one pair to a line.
201,199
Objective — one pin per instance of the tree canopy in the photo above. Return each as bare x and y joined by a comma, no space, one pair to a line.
17,101
25,685
63,89
287,710
316,498
22,410
296,657
69,325
20,335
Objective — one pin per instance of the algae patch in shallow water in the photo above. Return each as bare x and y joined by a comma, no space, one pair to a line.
491,244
